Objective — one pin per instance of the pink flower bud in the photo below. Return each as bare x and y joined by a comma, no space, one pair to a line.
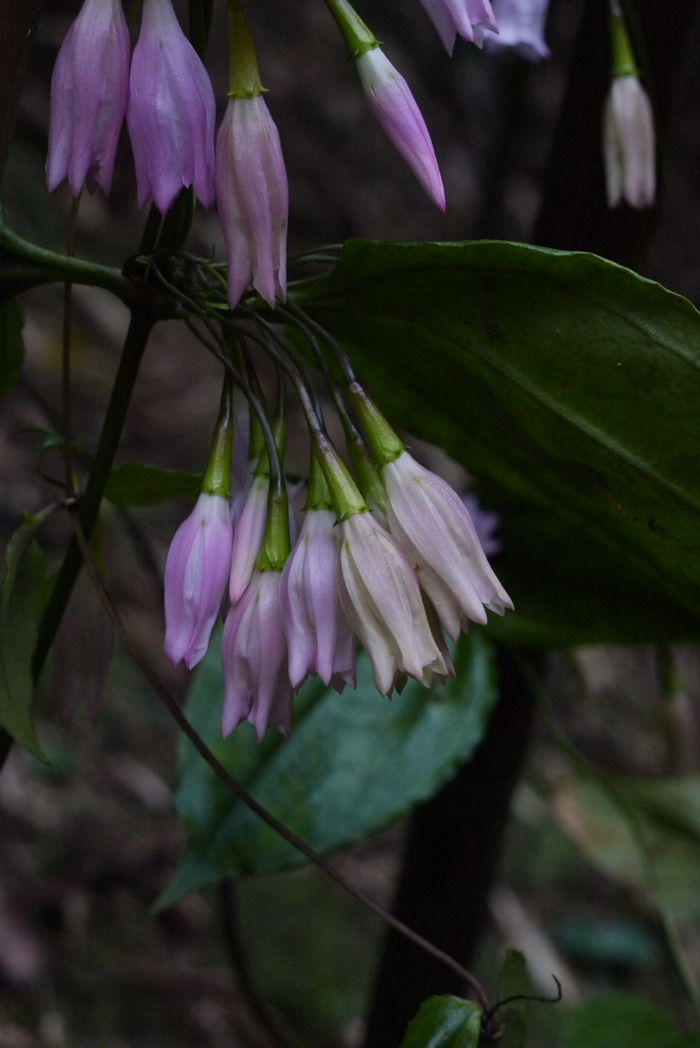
628,144
454,18
88,98
171,112
380,595
252,197
319,636
431,524
520,26
196,573
395,108
248,536
254,655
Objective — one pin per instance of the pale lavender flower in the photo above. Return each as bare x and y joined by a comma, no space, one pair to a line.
431,524
254,656
628,144
398,114
88,98
454,18
319,636
485,522
248,536
253,200
171,112
380,595
196,573
520,26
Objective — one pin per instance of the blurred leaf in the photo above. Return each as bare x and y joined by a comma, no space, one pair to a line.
621,1020
513,981
612,943
569,385
355,763
645,834
136,484
21,605
444,1022
11,343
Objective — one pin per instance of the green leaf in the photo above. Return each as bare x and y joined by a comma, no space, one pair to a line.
355,762
569,385
444,1022
622,1020
136,484
21,604
513,981
11,343
645,834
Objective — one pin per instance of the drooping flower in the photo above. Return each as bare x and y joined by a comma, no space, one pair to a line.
431,524
521,26
253,200
89,91
464,18
381,598
196,573
319,636
628,144
396,110
171,112
254,656
248,536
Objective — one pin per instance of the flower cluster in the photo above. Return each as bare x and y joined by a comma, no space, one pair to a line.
394,579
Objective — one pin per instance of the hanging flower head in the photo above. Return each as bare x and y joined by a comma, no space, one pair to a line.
465,18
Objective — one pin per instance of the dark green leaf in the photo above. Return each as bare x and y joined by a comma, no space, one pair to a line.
513,981
136,484
570,386
11,343
21,604
444,1022
355,762
621,1020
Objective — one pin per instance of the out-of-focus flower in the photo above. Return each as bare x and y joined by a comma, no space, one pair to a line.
464,18
431,524
396,110
89,90
248,536
196,573
485,522
382,600
629,151
252,196
254,655
171,112
319,636
520,26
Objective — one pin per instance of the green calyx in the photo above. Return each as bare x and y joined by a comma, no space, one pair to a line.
279,430
381,438
244,77
318,495
276,544
345,494
623,63
358,37
217,476
369,478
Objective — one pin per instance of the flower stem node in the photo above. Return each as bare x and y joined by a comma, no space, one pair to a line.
196,573
433,527
89,90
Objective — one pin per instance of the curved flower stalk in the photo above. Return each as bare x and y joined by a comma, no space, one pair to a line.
252,195
465,18
171,112
319,636
254,656
89,91
521,26
628,144
196,573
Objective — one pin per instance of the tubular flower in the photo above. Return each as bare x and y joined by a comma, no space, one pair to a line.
454,18
399,116
380,595
432,525
252,196
319,636
248,536
521,26
171,112
254,654
88,98
628,144
196,573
